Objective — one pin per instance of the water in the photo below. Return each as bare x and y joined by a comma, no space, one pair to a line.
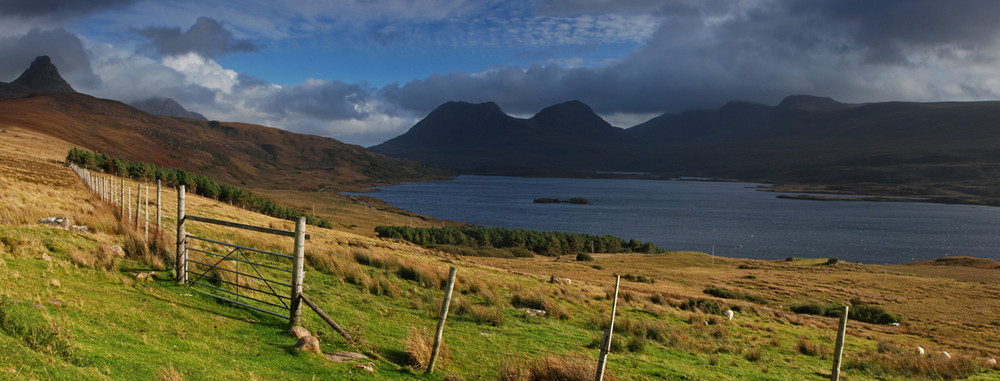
739,220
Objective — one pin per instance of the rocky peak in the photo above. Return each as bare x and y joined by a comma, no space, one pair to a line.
42,75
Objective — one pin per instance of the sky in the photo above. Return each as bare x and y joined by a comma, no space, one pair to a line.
364,71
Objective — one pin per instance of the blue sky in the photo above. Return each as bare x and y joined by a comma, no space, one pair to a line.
364,71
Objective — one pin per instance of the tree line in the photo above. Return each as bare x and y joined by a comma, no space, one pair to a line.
197,184
542,243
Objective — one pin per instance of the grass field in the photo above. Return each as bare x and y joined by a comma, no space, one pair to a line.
70,311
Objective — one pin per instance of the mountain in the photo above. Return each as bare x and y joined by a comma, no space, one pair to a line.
482,138
166,107
42,75
944,150
235,153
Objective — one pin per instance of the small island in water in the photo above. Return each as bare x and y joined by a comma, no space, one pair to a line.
574,200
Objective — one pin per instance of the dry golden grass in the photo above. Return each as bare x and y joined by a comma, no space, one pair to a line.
562,368
419,345
169,373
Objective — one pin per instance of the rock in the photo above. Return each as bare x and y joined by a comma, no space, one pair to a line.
55,283
219,318
51,221
114,249
46,257
81,228
145,276
531,312
345,356
299,332
369,367
553,279
308,344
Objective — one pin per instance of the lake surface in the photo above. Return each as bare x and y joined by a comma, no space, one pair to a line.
735,217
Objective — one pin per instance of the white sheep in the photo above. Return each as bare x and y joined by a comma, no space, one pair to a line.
920,351
945,355
991,362
729,314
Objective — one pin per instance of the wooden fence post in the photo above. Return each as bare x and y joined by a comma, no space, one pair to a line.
838,351
445,305
145,207
138,203
181,259
159,209
121,201
606,347
298,273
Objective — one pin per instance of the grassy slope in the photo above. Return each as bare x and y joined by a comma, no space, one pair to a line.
108,325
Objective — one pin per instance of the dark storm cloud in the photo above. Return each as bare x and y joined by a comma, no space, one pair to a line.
206,37
57,9
64,48
323,100
704,54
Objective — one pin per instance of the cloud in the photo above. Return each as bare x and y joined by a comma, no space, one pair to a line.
57,10
206,37
65,49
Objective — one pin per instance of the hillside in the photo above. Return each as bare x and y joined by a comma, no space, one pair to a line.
166,107
70,311
941,151
236,153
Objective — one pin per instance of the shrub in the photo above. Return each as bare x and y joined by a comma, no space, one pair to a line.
863,312
584,257
733,294
703,305
808,348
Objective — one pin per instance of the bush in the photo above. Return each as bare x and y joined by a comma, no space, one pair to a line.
733,294
863,312
584,257
703,305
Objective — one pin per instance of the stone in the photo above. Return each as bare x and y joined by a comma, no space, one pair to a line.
369,367
345,356
145,276
114,249
46,257
81,228
299,332
308,344
55,283
531,312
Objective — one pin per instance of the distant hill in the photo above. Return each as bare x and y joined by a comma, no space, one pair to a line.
482,138
236,153
945,150
166,107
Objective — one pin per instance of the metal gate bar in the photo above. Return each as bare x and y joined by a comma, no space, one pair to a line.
238,255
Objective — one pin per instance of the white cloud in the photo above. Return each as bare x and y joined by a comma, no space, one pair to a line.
201,71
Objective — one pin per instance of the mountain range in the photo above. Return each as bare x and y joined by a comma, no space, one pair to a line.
945,150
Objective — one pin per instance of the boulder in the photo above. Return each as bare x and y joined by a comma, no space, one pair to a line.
345,356
299,332
81,228
114,249
531,312
46,257
308,344
369,367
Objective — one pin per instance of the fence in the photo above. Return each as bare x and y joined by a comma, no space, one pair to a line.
119,196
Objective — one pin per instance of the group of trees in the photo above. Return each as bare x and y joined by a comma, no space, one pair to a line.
543,243
198,184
